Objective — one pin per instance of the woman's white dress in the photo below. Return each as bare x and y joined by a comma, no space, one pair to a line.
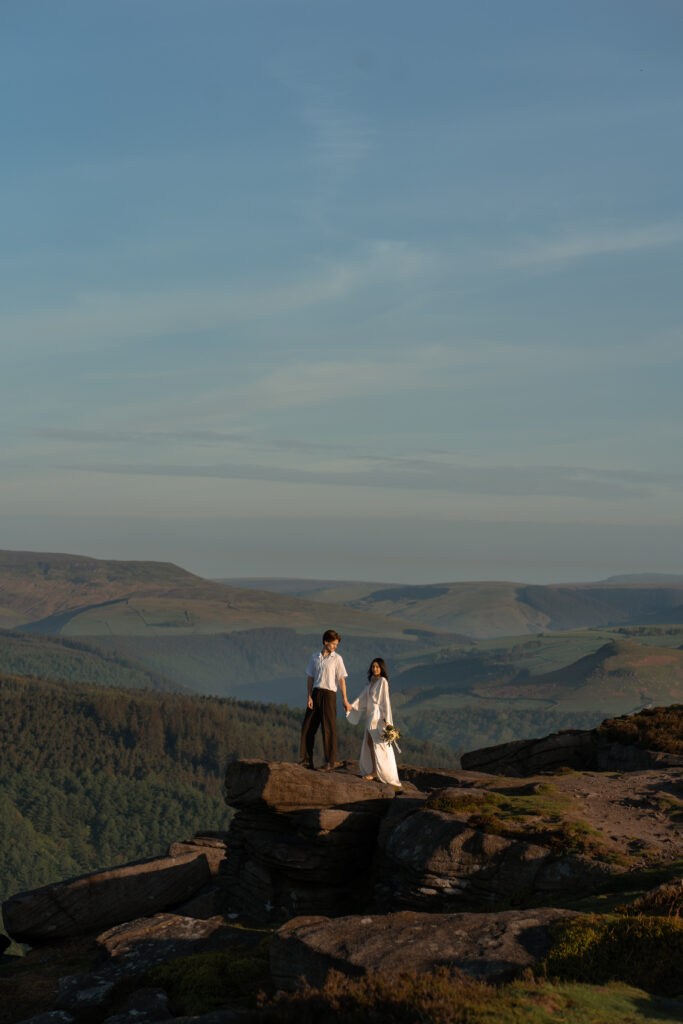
374,707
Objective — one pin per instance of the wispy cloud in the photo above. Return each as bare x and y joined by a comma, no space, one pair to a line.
97,319
340,140
581,246
415,474
80,436
320,383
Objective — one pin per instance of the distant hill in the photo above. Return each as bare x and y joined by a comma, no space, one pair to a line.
40,655
621,675
259,664
301,587
671,578
489,609
476,697
75,595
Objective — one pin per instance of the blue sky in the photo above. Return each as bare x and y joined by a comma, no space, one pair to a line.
375,290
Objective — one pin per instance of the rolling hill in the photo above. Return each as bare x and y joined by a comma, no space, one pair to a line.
490,609
44,656
621,675
479,698
74,595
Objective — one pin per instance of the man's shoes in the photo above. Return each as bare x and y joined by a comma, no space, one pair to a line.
331,765
305,763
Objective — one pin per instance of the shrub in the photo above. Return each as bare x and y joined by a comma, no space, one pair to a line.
442,998
642,950
208,981
652,729
664,901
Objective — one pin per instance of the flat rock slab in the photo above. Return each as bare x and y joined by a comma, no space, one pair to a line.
571,748
284,787
137,946
164,936
435,860
492,947
90,903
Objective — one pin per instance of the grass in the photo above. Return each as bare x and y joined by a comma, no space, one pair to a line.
209,981
643,950
442,998
658,728
664,901
537,812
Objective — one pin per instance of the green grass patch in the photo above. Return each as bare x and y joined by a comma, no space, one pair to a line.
210,981
536,813
441,998
643,950
664,901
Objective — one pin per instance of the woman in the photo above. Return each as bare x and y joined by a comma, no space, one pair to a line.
377,760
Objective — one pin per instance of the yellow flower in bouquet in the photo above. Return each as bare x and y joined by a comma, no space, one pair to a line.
390,735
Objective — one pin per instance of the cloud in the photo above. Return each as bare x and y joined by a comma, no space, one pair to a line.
429,475
80,436
340,139
582,246
319,383
96,319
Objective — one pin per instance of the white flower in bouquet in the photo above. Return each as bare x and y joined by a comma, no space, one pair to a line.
390,735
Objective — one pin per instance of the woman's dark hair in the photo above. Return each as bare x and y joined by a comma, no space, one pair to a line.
382,668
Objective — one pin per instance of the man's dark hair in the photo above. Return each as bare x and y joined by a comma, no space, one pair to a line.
330,634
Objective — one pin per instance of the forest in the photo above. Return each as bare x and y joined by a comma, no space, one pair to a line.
91,777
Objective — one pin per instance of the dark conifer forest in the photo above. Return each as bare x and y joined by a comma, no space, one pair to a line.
91,777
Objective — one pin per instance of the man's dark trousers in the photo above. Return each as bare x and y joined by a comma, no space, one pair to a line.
323,713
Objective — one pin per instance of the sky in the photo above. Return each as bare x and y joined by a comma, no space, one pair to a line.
377,290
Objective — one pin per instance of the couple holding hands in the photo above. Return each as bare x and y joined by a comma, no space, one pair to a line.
326,673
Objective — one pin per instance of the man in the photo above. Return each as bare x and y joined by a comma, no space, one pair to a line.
325,673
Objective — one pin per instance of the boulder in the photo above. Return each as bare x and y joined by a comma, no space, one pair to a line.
212,844
135,947
301,841
283,787
426,780
473,847
50,1017
433,860
279,865
573,748
145,1004
90,903
580,749
491,947
150,940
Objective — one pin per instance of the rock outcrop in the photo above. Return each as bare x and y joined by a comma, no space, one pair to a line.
475,845
492,947
90,903
580,749
301,841
367,880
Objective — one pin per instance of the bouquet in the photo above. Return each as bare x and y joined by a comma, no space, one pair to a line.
390,735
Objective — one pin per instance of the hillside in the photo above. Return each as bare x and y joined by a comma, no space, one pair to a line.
478,697
257,664
78,596
490,609
41,655
93,776
621,675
